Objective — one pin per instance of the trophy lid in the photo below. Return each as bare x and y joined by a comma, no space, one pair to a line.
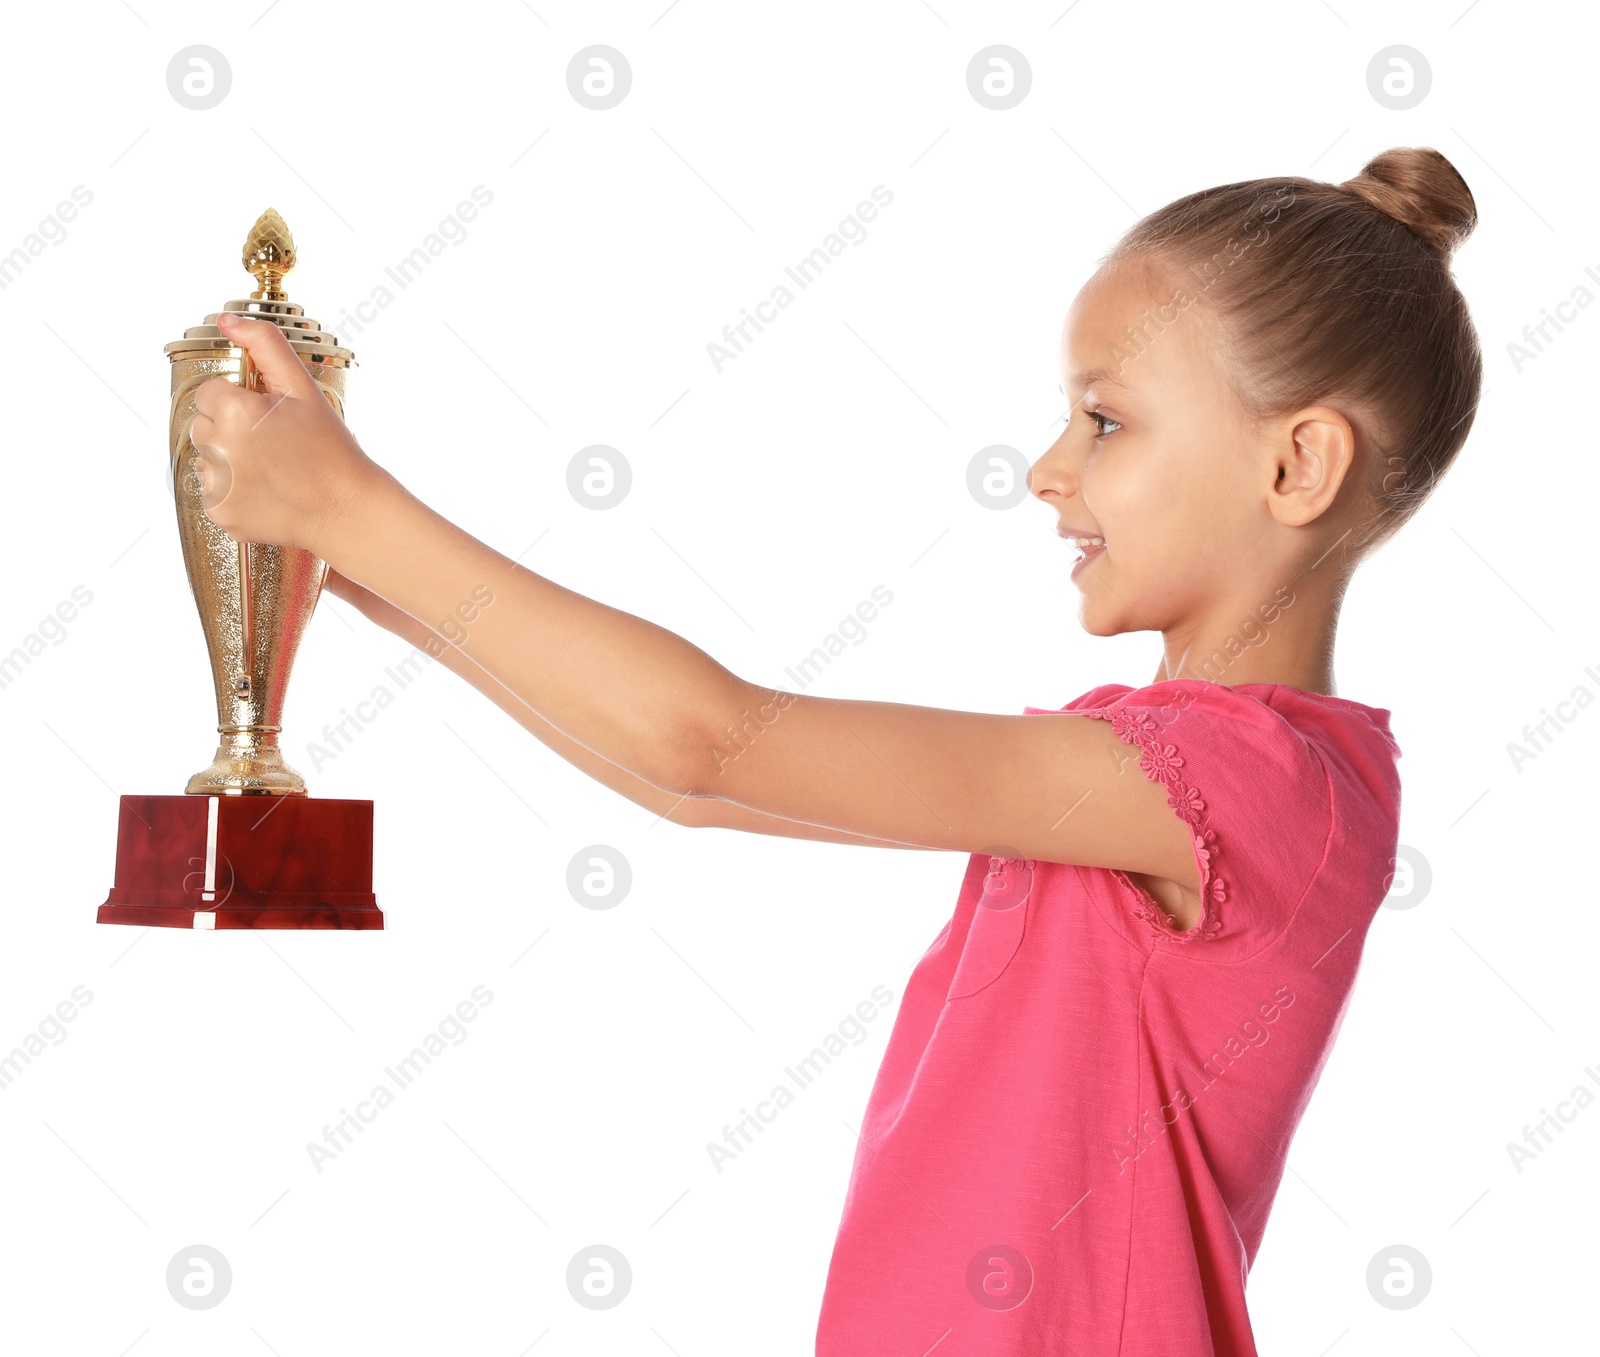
269,255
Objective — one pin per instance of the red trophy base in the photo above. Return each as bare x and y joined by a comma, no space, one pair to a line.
210,862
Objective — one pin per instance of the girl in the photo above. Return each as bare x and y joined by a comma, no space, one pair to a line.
1096,1069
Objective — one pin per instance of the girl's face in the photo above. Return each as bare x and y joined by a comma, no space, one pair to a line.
1158,459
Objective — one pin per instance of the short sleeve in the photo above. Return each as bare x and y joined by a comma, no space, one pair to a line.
1253,791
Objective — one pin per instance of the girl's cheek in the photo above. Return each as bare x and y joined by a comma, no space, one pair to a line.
1117,492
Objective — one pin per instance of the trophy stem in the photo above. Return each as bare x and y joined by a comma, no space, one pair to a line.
254,600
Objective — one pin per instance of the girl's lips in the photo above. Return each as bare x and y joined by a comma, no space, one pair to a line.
1089,553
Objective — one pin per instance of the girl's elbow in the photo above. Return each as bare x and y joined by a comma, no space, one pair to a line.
691,770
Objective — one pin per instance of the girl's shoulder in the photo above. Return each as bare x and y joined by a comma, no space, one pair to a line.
1333,748
1317,716
1286,794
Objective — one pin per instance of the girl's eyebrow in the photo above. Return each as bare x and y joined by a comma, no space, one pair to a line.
1101,376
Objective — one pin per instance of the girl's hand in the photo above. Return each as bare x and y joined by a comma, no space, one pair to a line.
276,466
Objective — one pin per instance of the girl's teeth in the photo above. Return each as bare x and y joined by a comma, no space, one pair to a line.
1083,542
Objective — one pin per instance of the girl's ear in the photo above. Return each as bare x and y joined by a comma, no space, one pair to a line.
1315,454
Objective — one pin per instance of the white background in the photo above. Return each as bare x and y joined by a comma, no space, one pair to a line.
768,500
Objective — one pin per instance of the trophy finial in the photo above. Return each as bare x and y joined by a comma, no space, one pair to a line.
269,255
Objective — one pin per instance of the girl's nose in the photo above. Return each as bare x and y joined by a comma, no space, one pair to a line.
1051,472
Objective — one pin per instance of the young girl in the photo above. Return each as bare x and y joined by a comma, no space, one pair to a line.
1096,1069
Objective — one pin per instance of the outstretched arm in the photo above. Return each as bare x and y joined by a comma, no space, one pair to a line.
280,466
690,812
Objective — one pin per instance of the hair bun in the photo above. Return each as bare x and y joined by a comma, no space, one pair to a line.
1421,189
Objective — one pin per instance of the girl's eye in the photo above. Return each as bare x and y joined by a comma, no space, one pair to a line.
1101,421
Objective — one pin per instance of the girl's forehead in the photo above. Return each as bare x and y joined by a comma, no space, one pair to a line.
1123,331
1111,300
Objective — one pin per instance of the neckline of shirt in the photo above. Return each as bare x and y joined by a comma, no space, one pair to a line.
1379,714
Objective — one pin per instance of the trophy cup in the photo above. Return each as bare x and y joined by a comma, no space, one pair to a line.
245,845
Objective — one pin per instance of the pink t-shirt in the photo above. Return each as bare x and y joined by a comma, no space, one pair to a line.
1082,1115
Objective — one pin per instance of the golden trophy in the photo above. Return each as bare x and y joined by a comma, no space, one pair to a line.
246,846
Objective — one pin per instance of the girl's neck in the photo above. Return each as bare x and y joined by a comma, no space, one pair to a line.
1284,642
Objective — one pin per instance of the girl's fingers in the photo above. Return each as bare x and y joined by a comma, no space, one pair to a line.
270,350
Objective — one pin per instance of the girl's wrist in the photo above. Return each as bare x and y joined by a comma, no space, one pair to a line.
359,501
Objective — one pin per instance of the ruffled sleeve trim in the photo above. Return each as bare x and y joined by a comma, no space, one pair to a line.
1162,762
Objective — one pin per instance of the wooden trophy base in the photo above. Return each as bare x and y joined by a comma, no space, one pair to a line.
211,862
